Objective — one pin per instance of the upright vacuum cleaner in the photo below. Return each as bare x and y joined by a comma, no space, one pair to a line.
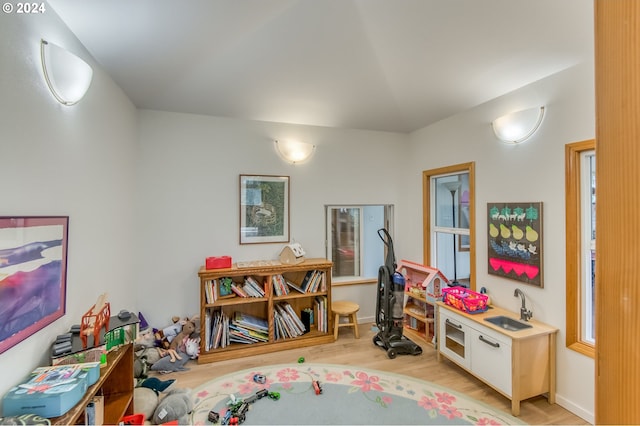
389,306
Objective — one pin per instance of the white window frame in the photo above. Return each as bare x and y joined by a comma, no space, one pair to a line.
587,244
364,260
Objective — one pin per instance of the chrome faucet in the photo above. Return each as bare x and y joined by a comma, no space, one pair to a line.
525,314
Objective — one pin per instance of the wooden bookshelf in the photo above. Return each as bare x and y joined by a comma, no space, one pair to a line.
263,307
115,384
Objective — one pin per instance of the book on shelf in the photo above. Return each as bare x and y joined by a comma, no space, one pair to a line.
252,287
313,282
248,328
239,290
295,286
216,330
211,291
280,287
320,313
290,321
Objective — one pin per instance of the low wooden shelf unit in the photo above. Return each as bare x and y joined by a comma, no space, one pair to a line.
212,302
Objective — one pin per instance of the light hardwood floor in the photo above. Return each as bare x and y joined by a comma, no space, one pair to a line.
362,352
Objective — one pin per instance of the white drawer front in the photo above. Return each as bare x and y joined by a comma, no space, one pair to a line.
491,360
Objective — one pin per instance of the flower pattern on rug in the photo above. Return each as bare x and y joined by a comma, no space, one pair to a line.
440,405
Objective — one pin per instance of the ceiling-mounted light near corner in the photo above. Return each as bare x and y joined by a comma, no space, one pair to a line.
67,76
518,126
294,151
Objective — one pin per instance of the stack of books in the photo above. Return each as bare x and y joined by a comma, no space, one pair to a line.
248,329
287,323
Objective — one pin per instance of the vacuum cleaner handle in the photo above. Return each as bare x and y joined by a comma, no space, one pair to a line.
390,261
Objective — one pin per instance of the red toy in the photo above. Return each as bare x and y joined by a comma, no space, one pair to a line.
94,319
316,387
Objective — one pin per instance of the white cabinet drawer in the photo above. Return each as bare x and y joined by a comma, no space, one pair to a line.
491,360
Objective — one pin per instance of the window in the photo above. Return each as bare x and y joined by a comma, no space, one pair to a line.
580,245
353,243
449,222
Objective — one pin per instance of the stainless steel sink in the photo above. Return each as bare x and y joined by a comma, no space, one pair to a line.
507,323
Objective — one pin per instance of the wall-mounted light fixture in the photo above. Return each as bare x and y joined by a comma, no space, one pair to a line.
294,151
518,126
67,76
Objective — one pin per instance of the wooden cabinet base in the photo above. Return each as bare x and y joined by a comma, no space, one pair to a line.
115,385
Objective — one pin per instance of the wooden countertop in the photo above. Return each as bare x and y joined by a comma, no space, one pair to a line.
537,328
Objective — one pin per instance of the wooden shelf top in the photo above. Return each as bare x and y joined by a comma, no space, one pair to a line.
266,267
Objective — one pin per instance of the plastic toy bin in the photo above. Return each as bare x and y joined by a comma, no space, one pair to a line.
465,300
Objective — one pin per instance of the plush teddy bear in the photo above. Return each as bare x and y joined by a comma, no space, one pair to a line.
178,341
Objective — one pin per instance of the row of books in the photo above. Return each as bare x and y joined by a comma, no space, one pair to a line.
216,330
211,290
320,312
250,288
286,322
313,282
226,287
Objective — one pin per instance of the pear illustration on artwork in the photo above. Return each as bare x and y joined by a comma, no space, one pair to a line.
531,234
517,232
504,231
493,230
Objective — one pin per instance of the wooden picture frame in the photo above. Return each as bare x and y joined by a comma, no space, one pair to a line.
264,209
33,275
515,241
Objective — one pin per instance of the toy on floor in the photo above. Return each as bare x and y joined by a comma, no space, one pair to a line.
146,395
316,387
149,356
236,414
187,328
177,405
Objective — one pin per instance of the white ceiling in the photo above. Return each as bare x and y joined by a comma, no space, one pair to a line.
392,65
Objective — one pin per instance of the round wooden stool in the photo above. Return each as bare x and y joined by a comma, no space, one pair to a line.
348,309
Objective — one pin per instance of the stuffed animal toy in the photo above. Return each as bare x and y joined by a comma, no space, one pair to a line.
192,347
176,405
146,395
164,365
188,328
145,358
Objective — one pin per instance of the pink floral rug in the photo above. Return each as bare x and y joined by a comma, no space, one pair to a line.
349,395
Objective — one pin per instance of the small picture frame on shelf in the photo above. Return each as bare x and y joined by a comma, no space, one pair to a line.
224,288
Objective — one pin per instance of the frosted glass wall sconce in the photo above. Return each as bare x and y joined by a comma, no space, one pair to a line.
294,151
67,76
518,126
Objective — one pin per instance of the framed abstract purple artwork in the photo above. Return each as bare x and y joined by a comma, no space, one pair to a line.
33,275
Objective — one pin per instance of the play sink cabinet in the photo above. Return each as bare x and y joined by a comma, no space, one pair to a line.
519,364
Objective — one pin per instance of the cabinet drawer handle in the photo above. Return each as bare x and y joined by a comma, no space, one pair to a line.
453,324
495,345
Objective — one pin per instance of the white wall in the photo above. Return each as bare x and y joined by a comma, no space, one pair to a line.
533,171
70,161
188,197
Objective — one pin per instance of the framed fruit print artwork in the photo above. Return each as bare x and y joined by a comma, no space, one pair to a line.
515,241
